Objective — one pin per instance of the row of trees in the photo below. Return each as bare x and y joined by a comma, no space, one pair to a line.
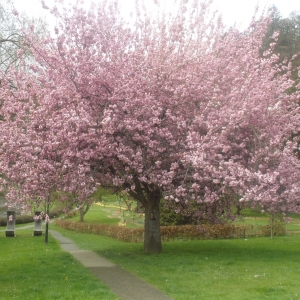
169,105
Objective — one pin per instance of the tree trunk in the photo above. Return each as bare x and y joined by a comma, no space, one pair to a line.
150,199
152,237
81,216
83,210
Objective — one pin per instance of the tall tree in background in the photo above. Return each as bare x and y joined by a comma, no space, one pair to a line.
288,42
167,106
9,37
12,42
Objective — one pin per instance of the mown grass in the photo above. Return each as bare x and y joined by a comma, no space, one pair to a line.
256,268
30,269
255,217
110,212
241,269
99,215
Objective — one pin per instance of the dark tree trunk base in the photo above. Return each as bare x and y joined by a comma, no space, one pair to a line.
152,237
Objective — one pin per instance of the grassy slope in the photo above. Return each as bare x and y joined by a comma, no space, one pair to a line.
110,213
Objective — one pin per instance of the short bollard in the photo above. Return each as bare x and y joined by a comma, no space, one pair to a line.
11,223
38,221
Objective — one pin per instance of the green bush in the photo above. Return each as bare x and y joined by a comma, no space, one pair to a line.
2,221
168,216
56,212
23,219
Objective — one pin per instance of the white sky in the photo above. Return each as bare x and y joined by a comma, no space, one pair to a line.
233,11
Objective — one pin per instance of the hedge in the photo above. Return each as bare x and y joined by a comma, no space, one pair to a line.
170,233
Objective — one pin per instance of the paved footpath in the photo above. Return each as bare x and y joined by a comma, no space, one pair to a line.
124,284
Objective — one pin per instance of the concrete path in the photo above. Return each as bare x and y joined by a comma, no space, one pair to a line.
121,282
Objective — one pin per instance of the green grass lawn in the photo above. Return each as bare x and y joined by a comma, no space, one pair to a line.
256,268
254,217
110,212
241,269
29,269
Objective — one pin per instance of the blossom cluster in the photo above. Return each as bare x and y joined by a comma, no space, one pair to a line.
164,107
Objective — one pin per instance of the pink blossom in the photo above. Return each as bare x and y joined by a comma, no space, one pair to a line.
15,12
195,115
47,219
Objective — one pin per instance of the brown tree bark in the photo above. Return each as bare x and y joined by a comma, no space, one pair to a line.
150,199
83,210
152,236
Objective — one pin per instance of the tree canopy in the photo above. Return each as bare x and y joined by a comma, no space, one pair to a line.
167,106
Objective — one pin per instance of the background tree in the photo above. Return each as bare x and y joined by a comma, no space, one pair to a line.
12,42
10,39
288,40
171,106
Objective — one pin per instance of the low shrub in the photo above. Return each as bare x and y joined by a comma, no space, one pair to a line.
169,233
2,221
118,232
56,212
23,219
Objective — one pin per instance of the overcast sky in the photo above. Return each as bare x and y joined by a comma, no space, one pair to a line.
233,11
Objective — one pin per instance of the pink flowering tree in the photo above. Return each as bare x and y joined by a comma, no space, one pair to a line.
34,173
166,106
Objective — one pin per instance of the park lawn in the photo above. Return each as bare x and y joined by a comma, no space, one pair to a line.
110,213
293,225
30,269
259,221
255,268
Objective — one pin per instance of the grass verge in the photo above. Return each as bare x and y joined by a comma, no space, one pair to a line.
30,269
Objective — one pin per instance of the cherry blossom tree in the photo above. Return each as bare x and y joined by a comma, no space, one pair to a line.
35,175
166,105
